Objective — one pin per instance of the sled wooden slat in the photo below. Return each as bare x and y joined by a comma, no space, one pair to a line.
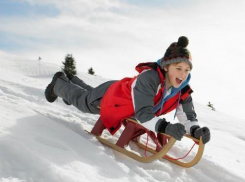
155,156
194,161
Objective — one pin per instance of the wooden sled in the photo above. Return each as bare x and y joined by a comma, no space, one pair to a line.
162,141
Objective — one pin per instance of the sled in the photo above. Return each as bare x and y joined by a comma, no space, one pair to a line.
163,143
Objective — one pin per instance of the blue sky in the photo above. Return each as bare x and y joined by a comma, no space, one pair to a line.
14,8
24,8
113,36
21,8
30,12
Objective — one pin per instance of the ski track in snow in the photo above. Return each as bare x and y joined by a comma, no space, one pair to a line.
40,141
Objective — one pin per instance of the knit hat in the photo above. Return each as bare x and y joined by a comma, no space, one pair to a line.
177,52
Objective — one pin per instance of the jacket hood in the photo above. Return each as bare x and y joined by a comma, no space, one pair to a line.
149,65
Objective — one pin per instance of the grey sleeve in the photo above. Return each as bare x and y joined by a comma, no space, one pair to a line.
186,114
144,90
188,109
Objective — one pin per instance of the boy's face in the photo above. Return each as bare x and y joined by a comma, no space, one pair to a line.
177,74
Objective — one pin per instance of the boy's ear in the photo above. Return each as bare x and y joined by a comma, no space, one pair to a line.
165,68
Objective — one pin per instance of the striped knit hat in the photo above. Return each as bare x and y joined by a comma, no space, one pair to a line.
177,52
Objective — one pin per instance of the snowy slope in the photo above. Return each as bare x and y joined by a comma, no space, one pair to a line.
44,142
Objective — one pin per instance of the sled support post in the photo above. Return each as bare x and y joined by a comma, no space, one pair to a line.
126,135
163,140
98,128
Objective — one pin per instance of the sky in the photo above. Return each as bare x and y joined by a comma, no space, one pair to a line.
113,36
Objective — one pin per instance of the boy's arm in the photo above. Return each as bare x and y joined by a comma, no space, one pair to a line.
186,114
143,92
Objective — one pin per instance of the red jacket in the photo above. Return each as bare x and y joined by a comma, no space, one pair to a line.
117,103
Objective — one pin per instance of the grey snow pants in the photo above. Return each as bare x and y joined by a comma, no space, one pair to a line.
84,97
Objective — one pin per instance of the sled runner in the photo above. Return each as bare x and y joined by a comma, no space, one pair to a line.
133,130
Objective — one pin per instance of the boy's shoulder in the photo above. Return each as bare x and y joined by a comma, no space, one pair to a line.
150,75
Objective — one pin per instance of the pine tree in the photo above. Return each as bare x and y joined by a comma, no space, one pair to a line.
91,71
69,67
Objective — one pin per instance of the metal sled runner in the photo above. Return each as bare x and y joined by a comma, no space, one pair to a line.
163,143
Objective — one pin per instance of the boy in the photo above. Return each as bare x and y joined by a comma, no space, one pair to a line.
158,89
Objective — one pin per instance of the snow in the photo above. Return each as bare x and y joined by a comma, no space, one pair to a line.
46,142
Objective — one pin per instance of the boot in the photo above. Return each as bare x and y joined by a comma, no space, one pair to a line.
49,93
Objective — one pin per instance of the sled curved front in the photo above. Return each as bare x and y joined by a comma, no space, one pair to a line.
191,163
156,155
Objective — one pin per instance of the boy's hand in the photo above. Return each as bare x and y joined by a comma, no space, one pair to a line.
203,132
176,130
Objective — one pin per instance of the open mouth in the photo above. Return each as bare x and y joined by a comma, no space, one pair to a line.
179,81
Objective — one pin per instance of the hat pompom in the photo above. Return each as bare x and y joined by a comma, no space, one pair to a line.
183,41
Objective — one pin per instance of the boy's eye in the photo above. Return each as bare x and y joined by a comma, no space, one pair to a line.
185,70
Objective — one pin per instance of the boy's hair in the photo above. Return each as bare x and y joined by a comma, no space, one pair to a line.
177,52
